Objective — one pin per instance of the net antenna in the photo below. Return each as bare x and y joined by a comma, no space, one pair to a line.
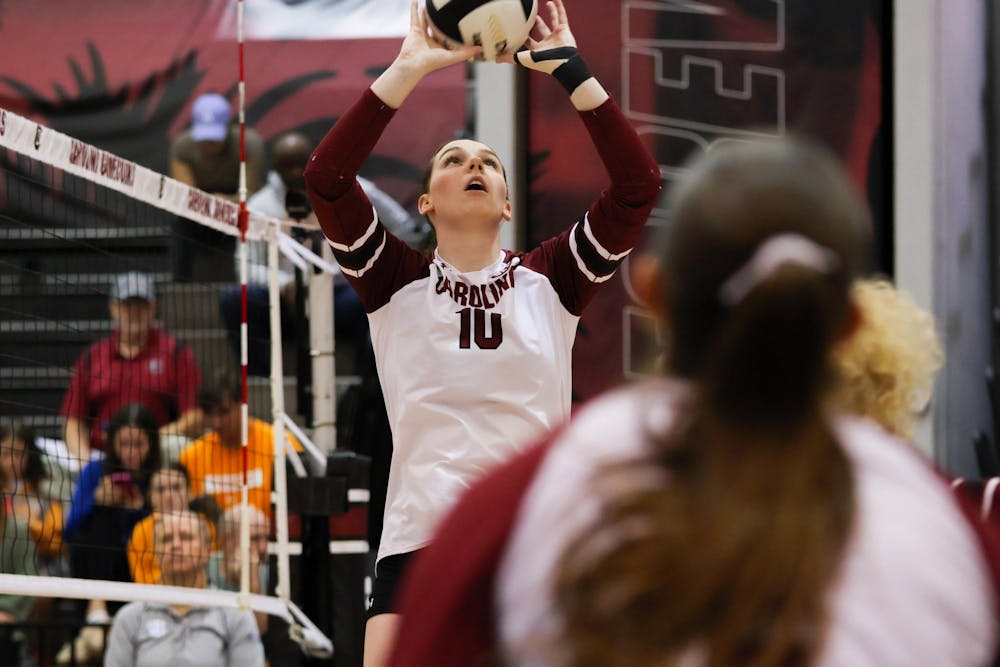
244,346
98,167
308,636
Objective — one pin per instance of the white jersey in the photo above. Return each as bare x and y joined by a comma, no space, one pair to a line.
465,385
473,365
914,587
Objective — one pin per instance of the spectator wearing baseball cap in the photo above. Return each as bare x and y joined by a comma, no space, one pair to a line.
207,156
137,363
210,118
133,285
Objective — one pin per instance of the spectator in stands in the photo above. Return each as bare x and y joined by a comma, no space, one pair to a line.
215,461
30,528
146,634
169,493
224,574
138,363
109,499
207,156
887,368
33,509
224,567
284,196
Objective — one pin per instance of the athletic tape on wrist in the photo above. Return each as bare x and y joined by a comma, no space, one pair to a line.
564,63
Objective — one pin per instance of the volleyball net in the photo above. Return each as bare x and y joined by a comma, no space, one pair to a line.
86,239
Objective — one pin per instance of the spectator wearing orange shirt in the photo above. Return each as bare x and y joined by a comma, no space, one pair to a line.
169,493
215,461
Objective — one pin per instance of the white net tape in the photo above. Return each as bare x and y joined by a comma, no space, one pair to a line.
58,150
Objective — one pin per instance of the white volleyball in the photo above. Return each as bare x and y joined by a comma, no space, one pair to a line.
499,26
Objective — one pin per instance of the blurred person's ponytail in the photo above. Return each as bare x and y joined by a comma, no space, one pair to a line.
730,555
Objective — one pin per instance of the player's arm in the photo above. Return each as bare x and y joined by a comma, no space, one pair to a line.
588,254
418,56
551,48
375,262
333,168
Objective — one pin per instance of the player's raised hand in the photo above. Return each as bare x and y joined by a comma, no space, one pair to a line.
545,35
420,54
423,52
555,32
552,49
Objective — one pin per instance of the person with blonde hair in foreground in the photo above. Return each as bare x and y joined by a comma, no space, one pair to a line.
887,368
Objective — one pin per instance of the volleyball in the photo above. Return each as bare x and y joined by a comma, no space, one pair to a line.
499,26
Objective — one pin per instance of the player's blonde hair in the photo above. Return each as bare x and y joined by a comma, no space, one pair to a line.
887,368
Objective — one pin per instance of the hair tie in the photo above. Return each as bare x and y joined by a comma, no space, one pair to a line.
772,254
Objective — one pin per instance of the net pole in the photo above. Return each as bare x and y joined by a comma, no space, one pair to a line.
283,589
243,221
322,341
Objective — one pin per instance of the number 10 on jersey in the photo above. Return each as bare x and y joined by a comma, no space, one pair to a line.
470,318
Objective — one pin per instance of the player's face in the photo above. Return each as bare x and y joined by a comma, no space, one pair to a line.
467,185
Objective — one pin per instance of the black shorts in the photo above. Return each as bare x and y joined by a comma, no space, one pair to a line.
385,589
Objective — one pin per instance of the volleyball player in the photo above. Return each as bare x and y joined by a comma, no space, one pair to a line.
473,345
722,515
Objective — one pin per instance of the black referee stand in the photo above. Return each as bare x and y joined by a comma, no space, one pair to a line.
329,515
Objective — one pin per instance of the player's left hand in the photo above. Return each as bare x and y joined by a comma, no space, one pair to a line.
544,35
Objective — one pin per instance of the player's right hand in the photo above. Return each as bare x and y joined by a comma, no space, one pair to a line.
422,52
